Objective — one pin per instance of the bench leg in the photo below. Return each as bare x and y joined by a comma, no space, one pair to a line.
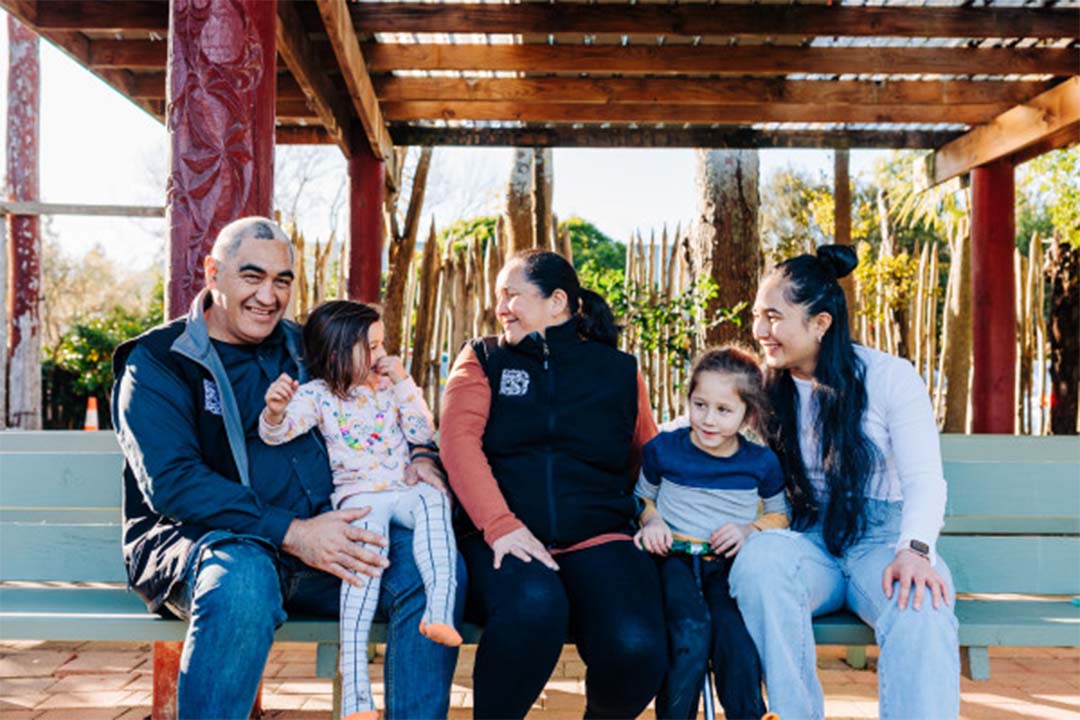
856,657
326,665
975,662
167,674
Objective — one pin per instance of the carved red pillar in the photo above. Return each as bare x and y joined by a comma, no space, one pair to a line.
221,100
993,230
24,236
367,184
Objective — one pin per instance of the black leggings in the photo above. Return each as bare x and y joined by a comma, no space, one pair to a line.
608,596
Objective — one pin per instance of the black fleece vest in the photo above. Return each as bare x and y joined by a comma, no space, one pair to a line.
560,433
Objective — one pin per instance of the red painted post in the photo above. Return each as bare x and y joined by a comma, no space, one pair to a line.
221,100
367,187
993,230
24,232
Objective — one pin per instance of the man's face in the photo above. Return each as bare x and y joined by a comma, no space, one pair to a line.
251,291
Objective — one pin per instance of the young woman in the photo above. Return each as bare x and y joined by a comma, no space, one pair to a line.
856,436
541,436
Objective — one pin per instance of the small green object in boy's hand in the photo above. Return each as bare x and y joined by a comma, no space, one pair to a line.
687,547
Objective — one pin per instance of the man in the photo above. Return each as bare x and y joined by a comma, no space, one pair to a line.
230,533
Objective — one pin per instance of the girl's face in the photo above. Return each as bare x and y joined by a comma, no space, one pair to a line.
364,362
789,338
521,308
717,413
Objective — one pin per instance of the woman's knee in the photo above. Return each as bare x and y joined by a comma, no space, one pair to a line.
535,601
765,563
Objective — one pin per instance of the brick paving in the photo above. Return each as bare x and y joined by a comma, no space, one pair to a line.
111,681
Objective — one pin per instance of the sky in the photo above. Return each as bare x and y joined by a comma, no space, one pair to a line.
98,147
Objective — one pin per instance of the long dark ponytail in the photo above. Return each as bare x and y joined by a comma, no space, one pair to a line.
549,272
849,458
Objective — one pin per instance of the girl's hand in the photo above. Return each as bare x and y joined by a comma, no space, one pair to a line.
523,545
655,536
278,396
390,366
909,568
729,539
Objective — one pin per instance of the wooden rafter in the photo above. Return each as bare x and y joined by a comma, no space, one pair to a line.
703,91
339,30
97,16
715,59
695,19
622,136
1052,116
664,113
127,54
295,48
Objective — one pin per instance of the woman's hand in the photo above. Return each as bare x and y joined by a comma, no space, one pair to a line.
523,545
278,396
654,536
729,539
909,568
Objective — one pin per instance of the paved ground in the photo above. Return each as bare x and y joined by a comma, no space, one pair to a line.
111,681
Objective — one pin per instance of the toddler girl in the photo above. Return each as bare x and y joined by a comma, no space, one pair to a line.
368,411
700,486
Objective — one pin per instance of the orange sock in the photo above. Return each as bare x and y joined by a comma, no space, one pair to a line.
441,633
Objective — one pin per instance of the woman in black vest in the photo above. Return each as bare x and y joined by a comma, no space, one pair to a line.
541,435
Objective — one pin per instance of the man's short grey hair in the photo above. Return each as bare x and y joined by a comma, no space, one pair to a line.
232,235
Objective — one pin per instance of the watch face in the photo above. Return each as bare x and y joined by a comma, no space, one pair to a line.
920,547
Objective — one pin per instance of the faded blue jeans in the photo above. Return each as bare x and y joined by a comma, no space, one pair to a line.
236,592
781,578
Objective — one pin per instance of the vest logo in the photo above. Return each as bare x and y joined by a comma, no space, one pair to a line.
514,383
212,400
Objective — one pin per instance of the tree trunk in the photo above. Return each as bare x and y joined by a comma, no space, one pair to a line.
725,241
426,312
543,190
402,249
519,202
957,345
1062,269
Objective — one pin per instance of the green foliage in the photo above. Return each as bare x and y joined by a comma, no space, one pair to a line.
592,248
894,275
1052,193
482,228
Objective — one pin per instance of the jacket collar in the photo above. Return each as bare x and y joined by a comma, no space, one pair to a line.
557,339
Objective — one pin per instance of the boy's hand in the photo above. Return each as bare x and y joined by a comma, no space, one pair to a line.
278,396
390,366
655,536
729,539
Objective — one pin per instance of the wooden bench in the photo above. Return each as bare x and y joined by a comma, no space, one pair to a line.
1012,539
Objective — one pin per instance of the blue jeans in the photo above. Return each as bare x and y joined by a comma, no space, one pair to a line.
782,578
236,592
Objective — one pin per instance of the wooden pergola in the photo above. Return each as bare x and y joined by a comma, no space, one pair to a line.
985,86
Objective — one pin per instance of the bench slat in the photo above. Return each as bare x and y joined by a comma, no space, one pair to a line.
1017,564
1013,488
12,441
68,479
74,553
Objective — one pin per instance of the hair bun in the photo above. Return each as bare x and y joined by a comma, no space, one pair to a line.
841,259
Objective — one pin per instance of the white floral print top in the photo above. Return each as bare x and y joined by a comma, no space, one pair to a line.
367,434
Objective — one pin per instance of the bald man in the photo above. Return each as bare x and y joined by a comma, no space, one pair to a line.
232,534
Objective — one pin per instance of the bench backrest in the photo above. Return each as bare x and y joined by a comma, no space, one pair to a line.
1012,522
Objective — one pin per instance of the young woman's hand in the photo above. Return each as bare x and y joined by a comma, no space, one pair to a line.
729,539
654,536
523,545
909,568
390,366
278,396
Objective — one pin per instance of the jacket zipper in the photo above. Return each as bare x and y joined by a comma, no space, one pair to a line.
549,460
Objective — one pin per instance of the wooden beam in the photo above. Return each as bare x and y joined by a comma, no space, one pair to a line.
127,54
11,207
1063,138
301,135
294,47
623,136
1049,115
701,114
339,30
97,16
703,91
695,19
151,86
719,59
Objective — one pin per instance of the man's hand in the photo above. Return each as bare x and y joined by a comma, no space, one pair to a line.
910,568
523,545
729,539
329,543
277,398
423,469
654,536
390,366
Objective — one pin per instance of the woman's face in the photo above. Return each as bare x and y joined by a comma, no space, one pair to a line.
789,338
521,308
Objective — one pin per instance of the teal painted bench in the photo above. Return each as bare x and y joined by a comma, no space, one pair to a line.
1012,539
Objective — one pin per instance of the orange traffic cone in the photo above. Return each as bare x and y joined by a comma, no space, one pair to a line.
91,414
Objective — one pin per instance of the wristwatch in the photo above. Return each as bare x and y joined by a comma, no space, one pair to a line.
920,548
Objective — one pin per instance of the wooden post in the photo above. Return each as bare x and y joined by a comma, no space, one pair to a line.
992,290
23,297
842,220
221,99
367,186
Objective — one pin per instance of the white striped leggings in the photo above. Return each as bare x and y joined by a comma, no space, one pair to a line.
426,511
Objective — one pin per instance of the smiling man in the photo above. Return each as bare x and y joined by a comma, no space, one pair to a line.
232,534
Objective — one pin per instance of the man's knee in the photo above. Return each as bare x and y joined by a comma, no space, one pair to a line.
238,580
